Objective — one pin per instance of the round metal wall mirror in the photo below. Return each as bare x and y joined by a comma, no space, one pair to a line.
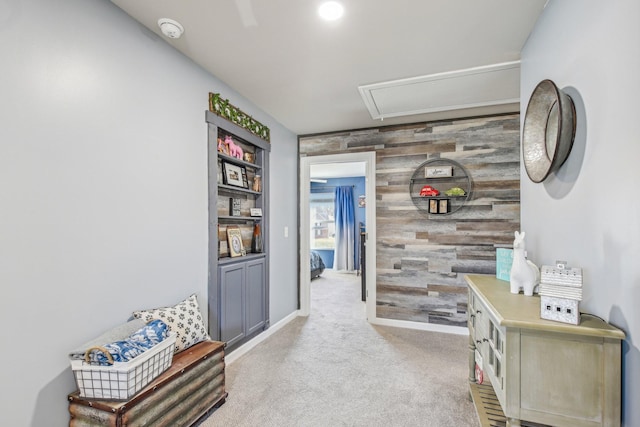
549,130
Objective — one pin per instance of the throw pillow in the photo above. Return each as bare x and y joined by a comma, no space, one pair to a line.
183,318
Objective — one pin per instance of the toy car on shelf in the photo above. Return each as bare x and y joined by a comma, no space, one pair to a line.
455,191
428,191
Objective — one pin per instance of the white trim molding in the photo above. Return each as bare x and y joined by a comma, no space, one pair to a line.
246,347
447,329
369,159
489,85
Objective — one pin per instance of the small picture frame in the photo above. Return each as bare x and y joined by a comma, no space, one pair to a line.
249,157
256,211
234,206
433,206
234,175
234,239
438,171
362,201
245,181
443,206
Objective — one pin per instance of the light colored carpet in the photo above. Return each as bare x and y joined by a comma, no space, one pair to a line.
335,369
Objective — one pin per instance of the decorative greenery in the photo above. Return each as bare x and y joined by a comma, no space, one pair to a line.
224,109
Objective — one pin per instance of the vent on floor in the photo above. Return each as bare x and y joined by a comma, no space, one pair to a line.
489,85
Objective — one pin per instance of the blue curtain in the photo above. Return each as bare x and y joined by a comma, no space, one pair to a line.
344,256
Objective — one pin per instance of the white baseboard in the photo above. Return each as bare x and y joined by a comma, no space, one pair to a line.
447,329
244,348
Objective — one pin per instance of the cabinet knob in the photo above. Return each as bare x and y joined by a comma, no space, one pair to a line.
478,312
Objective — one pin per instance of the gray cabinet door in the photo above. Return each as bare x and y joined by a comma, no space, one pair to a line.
232,303
255,292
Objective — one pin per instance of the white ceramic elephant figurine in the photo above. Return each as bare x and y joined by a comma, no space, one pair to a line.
525,275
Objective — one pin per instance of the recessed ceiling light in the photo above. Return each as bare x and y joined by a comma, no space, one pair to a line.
330,10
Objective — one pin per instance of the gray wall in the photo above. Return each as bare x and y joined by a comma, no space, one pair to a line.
103,189
589,214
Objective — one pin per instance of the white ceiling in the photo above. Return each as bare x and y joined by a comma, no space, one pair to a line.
307,73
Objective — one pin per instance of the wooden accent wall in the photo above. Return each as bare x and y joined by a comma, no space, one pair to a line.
422,258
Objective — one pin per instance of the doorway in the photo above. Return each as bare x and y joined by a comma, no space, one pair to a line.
306,163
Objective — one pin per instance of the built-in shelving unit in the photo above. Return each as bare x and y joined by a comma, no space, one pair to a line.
238,280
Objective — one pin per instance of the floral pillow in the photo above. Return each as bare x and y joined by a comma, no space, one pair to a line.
184,319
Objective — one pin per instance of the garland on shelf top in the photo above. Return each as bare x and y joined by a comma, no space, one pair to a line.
224,109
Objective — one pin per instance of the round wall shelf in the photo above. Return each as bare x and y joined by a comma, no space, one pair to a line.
440,187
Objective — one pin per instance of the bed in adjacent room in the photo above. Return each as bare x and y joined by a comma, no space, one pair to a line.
317,265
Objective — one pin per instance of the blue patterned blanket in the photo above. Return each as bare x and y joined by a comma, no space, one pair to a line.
137,343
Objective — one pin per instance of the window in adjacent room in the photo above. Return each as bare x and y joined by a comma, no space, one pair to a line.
323,226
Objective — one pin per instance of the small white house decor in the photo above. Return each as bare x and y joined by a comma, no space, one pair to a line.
561,293
524,274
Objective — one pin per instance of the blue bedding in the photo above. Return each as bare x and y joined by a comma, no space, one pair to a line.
317,265
137,343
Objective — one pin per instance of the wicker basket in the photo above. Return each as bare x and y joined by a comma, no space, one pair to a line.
122,380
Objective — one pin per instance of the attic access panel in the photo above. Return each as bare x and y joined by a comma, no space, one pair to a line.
489,85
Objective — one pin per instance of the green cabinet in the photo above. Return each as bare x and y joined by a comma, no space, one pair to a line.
542,371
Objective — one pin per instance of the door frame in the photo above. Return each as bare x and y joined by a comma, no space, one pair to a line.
369,158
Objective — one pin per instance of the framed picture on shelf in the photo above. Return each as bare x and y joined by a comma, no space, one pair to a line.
443,206
234,206
438,172
234,175
433,206
234,238
245,182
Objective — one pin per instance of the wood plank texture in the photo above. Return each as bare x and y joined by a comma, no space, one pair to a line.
422,258
488,407
193,385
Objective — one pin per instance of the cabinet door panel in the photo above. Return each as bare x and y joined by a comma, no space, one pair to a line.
573,382
255,295
232,297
